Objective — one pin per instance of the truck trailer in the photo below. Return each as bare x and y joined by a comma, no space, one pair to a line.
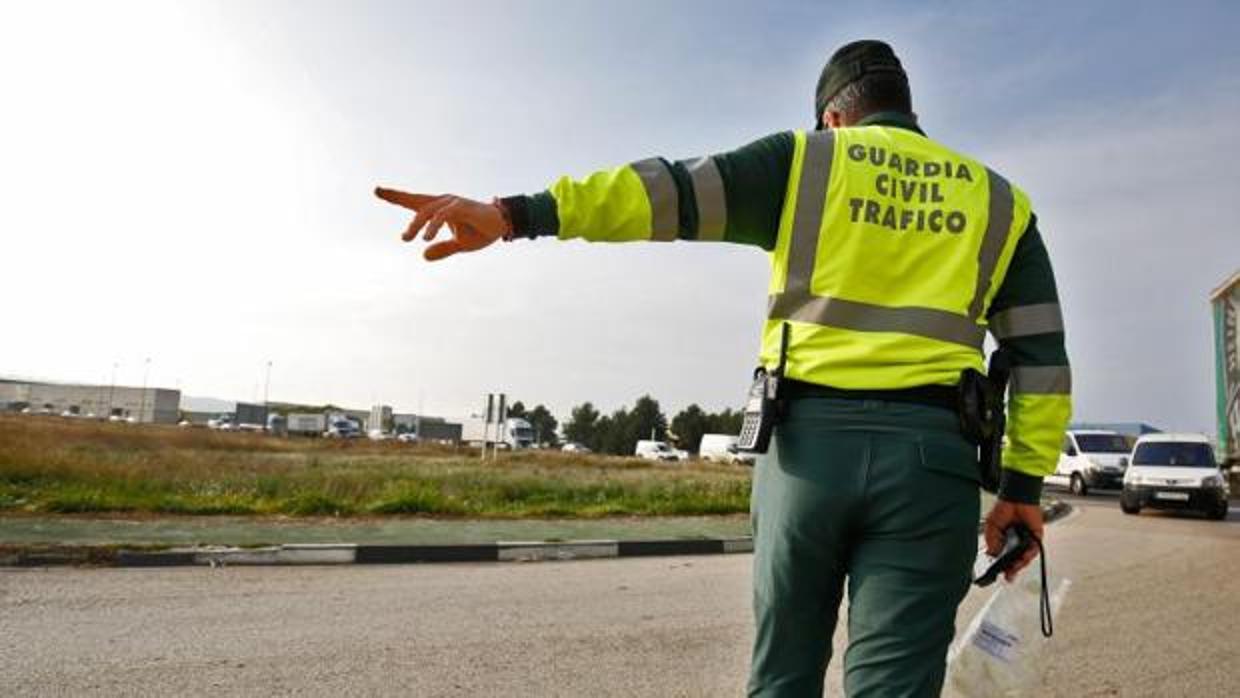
513,433
307,423
1225,301
251,417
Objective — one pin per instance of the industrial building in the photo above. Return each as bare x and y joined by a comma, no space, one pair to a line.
151,405
1225,304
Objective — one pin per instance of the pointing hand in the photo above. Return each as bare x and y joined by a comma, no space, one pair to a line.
473,224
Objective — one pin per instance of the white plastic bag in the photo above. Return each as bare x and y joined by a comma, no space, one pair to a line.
1003,652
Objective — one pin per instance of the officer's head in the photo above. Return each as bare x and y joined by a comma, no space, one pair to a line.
862,77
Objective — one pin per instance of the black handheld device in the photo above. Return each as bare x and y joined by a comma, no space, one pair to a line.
762,403
1017,540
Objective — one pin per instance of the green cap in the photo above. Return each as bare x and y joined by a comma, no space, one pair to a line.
849,64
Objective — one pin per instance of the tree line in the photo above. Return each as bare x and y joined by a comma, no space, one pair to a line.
619,432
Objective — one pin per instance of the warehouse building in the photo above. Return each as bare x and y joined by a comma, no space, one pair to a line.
151,405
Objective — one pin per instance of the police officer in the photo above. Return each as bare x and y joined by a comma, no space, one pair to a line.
891,256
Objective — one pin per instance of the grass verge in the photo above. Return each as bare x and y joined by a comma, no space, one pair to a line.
55,465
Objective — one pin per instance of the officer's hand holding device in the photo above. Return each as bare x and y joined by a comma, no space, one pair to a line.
1017,540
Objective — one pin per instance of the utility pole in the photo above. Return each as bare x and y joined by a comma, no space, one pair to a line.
486,423
502,427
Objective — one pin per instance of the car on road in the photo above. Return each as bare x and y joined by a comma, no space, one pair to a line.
1175,471
656,450
407,437
342,429
574,447
1092,458
223,422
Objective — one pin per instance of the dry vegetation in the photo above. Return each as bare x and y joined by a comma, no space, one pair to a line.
49,464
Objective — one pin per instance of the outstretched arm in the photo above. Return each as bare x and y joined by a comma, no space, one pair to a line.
732,197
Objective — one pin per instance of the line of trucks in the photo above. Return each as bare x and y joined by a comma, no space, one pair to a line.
1090,458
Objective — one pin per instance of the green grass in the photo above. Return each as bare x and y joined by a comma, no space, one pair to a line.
71,467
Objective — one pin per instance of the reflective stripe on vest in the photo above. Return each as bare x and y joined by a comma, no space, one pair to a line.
708,194
1046,380
797,301
998,223
661,192
1025,320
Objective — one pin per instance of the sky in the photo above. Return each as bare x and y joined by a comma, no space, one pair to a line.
190,183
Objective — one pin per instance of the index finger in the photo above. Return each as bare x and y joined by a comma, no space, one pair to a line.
403,198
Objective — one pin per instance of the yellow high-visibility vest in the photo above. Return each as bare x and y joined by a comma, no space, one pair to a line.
890,250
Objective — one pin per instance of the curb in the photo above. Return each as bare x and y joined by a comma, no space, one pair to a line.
354,554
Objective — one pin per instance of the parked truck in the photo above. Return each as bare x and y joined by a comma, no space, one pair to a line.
307,424
513,433
250,417
1226,305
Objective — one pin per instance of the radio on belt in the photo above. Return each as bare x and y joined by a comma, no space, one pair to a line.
762,404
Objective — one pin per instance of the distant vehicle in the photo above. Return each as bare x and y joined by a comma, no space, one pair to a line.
307,423
277,424
656,450
407,437
185,424
1175,471
574,447
342,429
514,433
250,417
722,448
378,435
1092,458
223,422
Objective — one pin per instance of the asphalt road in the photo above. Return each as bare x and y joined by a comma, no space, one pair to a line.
1150,613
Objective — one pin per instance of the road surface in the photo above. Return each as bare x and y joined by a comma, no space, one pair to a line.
1151,613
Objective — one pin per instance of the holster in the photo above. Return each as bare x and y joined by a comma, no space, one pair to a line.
983,416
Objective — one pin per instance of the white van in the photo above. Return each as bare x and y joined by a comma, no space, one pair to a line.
717,447
656,450
1092,458
722,448
1175,471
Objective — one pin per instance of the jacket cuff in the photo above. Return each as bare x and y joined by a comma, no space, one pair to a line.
532,216
1019,487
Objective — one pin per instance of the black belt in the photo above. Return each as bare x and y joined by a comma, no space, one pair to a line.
945,396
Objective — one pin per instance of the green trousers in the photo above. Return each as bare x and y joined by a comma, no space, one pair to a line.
882,496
